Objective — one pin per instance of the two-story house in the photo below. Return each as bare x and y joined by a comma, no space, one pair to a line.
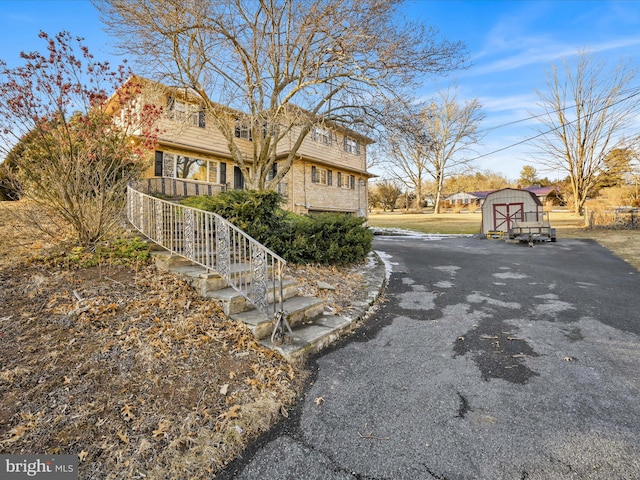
192,157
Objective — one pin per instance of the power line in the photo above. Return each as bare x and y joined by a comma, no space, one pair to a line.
528,139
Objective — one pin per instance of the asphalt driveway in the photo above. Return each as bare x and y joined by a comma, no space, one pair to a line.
486,360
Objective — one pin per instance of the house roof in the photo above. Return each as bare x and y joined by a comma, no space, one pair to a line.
543,191
191,94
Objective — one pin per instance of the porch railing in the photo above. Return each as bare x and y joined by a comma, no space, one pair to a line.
180,187
209,240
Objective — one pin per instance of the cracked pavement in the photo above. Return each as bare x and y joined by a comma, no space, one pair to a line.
486,360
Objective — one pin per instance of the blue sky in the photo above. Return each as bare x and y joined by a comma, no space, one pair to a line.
511,43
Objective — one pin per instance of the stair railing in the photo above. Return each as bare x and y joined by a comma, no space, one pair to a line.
209,240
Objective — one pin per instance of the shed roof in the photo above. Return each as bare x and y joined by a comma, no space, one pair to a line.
515,191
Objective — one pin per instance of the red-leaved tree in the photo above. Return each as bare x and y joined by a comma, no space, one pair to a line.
76,132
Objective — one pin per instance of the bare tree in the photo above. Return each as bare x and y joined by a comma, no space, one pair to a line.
385,194
586,110
475,181
432,139
406,146
287,65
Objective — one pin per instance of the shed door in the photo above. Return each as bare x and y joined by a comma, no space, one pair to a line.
504,214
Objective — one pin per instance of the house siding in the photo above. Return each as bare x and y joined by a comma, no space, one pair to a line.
186,135
306,196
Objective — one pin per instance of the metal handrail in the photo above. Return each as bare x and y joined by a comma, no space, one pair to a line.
209,240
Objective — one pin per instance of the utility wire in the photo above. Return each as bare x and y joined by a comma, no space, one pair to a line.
528,139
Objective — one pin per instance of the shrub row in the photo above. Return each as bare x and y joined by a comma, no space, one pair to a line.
326,239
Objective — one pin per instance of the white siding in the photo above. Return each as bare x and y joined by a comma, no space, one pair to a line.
509,197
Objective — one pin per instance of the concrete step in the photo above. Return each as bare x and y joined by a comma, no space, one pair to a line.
309,339
300,310
233,302
313,329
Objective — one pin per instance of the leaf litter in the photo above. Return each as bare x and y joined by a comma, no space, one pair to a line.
131,370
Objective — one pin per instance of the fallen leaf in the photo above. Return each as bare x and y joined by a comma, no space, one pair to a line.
82,456
224,388
16,433
123,437
319,400
161,432
127,413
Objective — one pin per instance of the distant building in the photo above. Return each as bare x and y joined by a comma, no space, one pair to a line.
544,195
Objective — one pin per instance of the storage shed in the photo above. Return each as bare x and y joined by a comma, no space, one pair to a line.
502,207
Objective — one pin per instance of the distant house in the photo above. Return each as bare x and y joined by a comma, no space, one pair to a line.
329,173
550,193
544,194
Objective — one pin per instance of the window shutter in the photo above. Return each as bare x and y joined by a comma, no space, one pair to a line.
223,173
171,105
329,178
339,179
352,181
158,164
201,119
314,177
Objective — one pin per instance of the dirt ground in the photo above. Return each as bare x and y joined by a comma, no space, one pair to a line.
128,368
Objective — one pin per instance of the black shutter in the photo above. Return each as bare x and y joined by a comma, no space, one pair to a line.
171,103
223,173
158,164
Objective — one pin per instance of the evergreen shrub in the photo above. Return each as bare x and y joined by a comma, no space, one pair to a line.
325,239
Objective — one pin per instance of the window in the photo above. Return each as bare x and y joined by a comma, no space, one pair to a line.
191,168
185,112
242,130
181,166
346,181
351,146
321,135
273,172
321,176
212,176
